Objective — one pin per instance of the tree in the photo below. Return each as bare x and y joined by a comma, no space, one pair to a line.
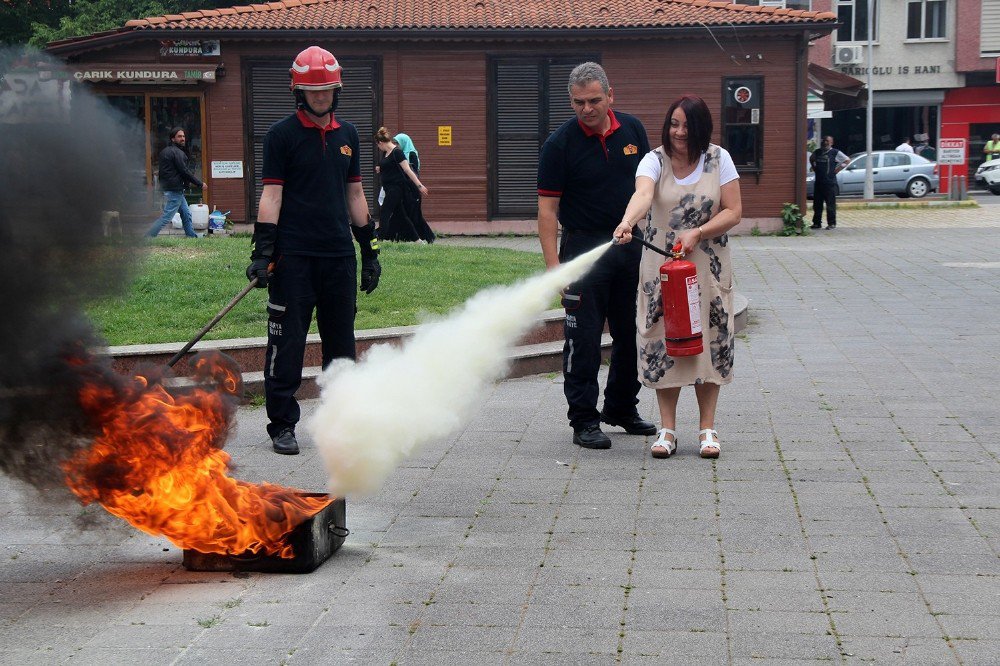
85,17
18,16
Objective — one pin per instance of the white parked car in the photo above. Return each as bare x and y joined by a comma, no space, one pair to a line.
988,176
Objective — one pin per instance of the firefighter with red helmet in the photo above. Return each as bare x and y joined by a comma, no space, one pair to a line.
311,204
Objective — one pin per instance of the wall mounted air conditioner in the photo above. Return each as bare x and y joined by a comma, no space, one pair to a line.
848,55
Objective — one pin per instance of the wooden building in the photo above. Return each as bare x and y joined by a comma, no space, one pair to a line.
477,84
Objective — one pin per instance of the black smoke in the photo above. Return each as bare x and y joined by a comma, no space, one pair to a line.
65,159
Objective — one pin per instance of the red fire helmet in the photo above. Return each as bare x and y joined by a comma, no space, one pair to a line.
315,69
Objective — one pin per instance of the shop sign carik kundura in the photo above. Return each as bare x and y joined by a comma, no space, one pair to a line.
190,47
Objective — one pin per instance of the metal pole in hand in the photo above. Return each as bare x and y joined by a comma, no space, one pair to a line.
208,327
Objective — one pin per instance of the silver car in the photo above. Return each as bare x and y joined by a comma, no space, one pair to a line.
902,174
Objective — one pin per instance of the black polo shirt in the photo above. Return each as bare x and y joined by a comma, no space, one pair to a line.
313,165
592,174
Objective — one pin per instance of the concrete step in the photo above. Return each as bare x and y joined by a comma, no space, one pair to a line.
540,351
534,359
249,352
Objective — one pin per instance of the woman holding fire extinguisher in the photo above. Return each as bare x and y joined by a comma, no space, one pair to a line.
691,189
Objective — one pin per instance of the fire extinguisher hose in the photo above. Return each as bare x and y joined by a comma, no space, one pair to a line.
666,253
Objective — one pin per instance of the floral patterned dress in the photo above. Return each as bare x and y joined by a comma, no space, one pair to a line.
676,208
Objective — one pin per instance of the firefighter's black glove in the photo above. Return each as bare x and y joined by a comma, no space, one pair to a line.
258,269
265,236
370,272
370,268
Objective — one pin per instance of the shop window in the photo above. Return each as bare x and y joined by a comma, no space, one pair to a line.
743,122
169,112
131,121
853,14
925,19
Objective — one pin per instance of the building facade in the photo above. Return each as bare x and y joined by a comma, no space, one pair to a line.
934,73
477,85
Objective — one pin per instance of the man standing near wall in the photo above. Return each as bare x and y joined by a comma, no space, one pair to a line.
174,176
992,149
586,176
303,250
827,162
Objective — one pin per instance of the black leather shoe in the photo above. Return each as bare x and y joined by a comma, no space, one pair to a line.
815,226
831,226
633,423
591,437
284,443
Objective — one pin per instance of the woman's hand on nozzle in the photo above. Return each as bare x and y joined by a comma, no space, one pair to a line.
689,240
623,233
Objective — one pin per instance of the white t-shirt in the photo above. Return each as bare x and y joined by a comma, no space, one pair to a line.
650,167
904,148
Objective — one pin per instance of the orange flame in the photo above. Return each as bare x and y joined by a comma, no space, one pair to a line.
157,462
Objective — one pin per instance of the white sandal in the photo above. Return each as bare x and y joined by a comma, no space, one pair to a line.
710,447
669,445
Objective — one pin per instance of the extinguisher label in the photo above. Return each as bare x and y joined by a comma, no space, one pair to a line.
694,304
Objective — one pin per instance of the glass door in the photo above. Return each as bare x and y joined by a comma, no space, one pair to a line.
168,112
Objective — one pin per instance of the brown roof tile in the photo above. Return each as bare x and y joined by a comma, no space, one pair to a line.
480,15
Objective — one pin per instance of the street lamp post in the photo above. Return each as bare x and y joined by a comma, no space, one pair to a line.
869,176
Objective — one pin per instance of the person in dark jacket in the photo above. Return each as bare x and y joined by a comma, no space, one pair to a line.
827,162
174,177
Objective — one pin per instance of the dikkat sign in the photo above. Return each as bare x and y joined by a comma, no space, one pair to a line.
951,151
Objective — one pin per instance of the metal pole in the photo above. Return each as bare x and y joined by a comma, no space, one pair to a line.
208,327
869,177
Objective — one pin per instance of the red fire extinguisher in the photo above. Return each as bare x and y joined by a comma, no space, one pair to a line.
681,305
681,302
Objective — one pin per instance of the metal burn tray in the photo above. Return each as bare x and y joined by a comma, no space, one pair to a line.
313,542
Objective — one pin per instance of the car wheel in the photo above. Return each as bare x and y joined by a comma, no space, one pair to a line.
918,187
995,189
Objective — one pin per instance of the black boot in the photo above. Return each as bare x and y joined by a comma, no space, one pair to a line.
591,437
284,443
633,423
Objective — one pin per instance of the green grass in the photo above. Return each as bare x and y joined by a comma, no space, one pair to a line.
183,283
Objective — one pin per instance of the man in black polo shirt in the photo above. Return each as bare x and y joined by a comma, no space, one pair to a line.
586,176
311,203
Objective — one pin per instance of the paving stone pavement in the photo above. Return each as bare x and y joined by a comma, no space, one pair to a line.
854,516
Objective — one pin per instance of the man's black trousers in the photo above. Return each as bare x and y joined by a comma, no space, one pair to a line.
606,293
299,285
825,194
